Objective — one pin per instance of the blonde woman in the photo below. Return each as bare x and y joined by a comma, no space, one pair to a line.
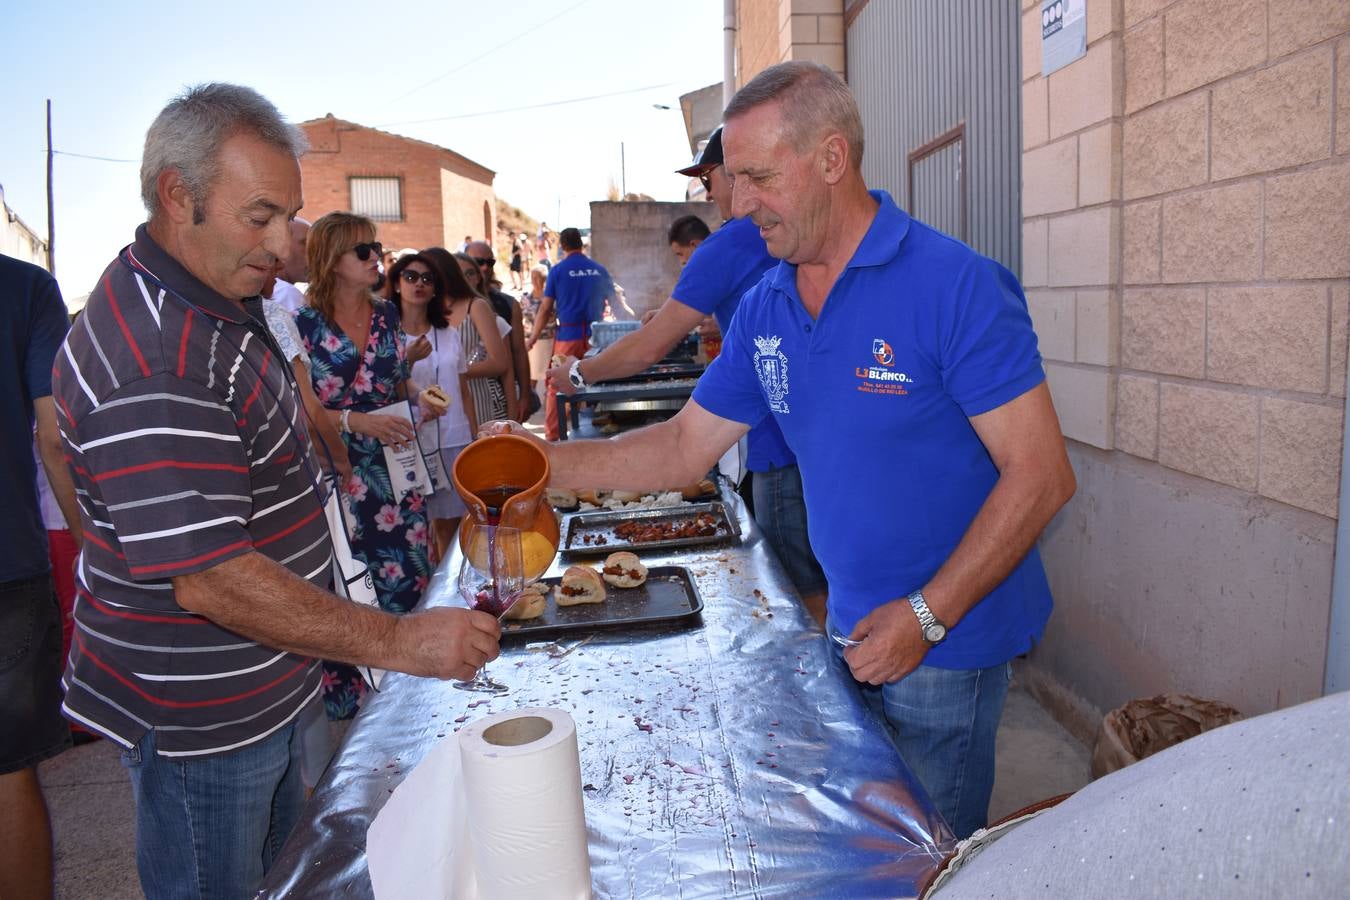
358,365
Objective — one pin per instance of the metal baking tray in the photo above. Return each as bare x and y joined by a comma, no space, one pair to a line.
602,523
669,594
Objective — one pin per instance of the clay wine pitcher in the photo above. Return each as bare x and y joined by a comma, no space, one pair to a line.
501,479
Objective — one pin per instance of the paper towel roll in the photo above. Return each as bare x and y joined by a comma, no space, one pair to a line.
522,786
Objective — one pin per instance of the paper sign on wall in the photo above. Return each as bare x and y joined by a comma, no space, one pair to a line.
1063,33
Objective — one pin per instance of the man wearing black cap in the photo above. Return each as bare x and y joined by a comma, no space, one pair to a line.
724,267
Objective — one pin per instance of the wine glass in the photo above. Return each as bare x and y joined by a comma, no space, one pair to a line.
491,579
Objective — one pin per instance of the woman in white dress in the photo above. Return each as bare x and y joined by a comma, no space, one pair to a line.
436,348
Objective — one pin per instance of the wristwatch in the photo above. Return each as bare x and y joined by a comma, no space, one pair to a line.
934,632
574,375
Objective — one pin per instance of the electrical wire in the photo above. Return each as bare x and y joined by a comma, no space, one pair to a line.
497,112
86,156
487,53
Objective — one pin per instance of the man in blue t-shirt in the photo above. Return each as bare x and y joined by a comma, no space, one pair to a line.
577,285
32,324
726,264
903,370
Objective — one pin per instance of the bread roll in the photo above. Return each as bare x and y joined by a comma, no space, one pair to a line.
625,570
592,496
435,397
694,491
531,605
626,496
580,584
562,498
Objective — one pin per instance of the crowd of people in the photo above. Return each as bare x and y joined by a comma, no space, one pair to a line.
239,372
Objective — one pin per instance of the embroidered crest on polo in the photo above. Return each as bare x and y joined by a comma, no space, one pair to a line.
771,364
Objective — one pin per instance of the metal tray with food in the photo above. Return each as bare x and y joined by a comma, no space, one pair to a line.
669,594
605,531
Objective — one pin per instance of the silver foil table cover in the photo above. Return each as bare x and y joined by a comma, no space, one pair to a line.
729,760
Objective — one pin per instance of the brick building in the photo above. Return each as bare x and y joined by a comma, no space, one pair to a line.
419,194
1179,213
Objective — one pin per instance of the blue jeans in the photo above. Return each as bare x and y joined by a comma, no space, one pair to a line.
210,827
780,512
943,722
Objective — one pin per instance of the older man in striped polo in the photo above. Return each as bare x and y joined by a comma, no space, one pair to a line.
202,590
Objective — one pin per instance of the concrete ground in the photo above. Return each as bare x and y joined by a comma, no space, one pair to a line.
91,805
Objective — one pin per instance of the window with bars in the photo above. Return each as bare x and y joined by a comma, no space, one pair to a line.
380,199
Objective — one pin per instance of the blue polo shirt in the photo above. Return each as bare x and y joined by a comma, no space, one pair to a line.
919,334
722,269
576,285
32,325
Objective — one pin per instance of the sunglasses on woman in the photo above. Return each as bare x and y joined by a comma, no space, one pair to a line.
413,277
363,251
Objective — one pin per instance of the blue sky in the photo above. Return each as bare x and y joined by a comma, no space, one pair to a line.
109,68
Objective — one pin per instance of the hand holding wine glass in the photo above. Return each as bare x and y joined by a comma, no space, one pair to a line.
491,580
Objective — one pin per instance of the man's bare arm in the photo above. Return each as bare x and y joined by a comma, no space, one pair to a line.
1035,480
264,601
541,318
677,451
520,357
54,463
634,351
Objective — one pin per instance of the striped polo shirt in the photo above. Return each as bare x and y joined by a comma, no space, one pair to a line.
189,448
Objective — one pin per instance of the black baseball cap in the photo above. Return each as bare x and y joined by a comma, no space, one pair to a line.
709,159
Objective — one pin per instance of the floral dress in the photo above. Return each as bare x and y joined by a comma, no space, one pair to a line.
388,535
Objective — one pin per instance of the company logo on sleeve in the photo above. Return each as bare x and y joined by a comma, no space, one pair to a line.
771,364
882,378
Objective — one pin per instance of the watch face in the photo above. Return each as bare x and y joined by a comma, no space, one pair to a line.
935,633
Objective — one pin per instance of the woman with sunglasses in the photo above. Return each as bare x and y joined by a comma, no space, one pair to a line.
358,365
426,308
489,393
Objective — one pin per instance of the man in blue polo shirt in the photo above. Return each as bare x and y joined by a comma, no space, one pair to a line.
726,264
903,371
576,286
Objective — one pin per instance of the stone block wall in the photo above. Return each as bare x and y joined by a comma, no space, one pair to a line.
1186,204
1071,184
629,239
1236,241
774,31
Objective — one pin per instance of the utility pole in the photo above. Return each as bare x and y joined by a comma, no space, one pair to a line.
623,173
51,211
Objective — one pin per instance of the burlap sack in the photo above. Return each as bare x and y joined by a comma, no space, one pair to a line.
1142,727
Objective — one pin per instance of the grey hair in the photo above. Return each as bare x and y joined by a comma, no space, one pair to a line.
815,101
188,133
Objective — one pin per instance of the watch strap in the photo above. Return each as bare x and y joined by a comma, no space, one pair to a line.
574,375
925,616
